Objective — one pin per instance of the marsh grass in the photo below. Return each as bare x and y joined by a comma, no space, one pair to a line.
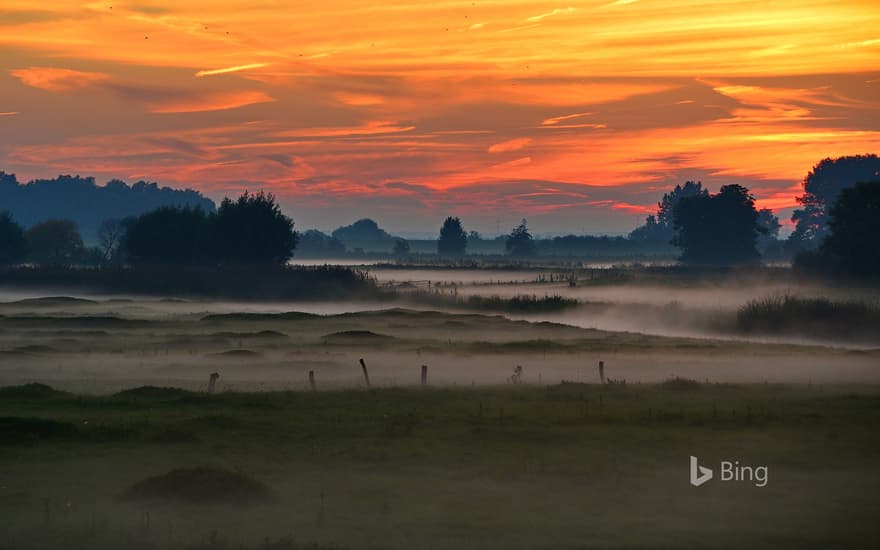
515,304
817,317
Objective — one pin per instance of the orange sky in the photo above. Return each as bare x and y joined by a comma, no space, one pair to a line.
576,115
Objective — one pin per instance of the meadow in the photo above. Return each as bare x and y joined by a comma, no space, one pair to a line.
110,436
561,466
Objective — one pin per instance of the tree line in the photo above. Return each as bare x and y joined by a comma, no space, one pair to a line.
84,202
249,230
834,231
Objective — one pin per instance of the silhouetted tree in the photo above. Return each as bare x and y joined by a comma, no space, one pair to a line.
110,234
520,243
56,242
453,239
853,247
13,246
666,206
821,187
652,232
253,230
170,236
770,226
316,243
658,229
717,229
401,248
364,233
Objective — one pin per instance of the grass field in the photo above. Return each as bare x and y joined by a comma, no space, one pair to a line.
561,466
109,439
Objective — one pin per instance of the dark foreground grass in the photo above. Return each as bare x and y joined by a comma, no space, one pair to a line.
563,466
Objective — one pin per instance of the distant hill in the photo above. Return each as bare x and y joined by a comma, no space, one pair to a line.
87,203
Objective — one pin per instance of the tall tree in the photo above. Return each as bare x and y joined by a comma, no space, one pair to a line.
520,243
56,242
170,236
453,239
110,234
853,247
821,187
13,246
717,229
770,226
658,229
666,206
253,230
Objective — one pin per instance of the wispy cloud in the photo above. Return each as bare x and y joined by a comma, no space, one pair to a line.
211,101
509,145
9,113
557,119
55,79
226,70
557,11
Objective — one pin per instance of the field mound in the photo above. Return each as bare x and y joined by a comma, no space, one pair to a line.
267,334
35,348
288,316
52,301
237,353
16,430
88,321
30,391
200,485
154,392
357,335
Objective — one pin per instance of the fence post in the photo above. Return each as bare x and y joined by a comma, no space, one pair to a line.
366,374
602,371
212,381
312,380
424,375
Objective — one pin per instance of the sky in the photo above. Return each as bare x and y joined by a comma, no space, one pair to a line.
575,115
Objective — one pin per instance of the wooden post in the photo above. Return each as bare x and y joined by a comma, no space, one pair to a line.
424,375
366,374
212,381
312,380
602,371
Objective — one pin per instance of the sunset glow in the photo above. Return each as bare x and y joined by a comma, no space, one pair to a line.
576,115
